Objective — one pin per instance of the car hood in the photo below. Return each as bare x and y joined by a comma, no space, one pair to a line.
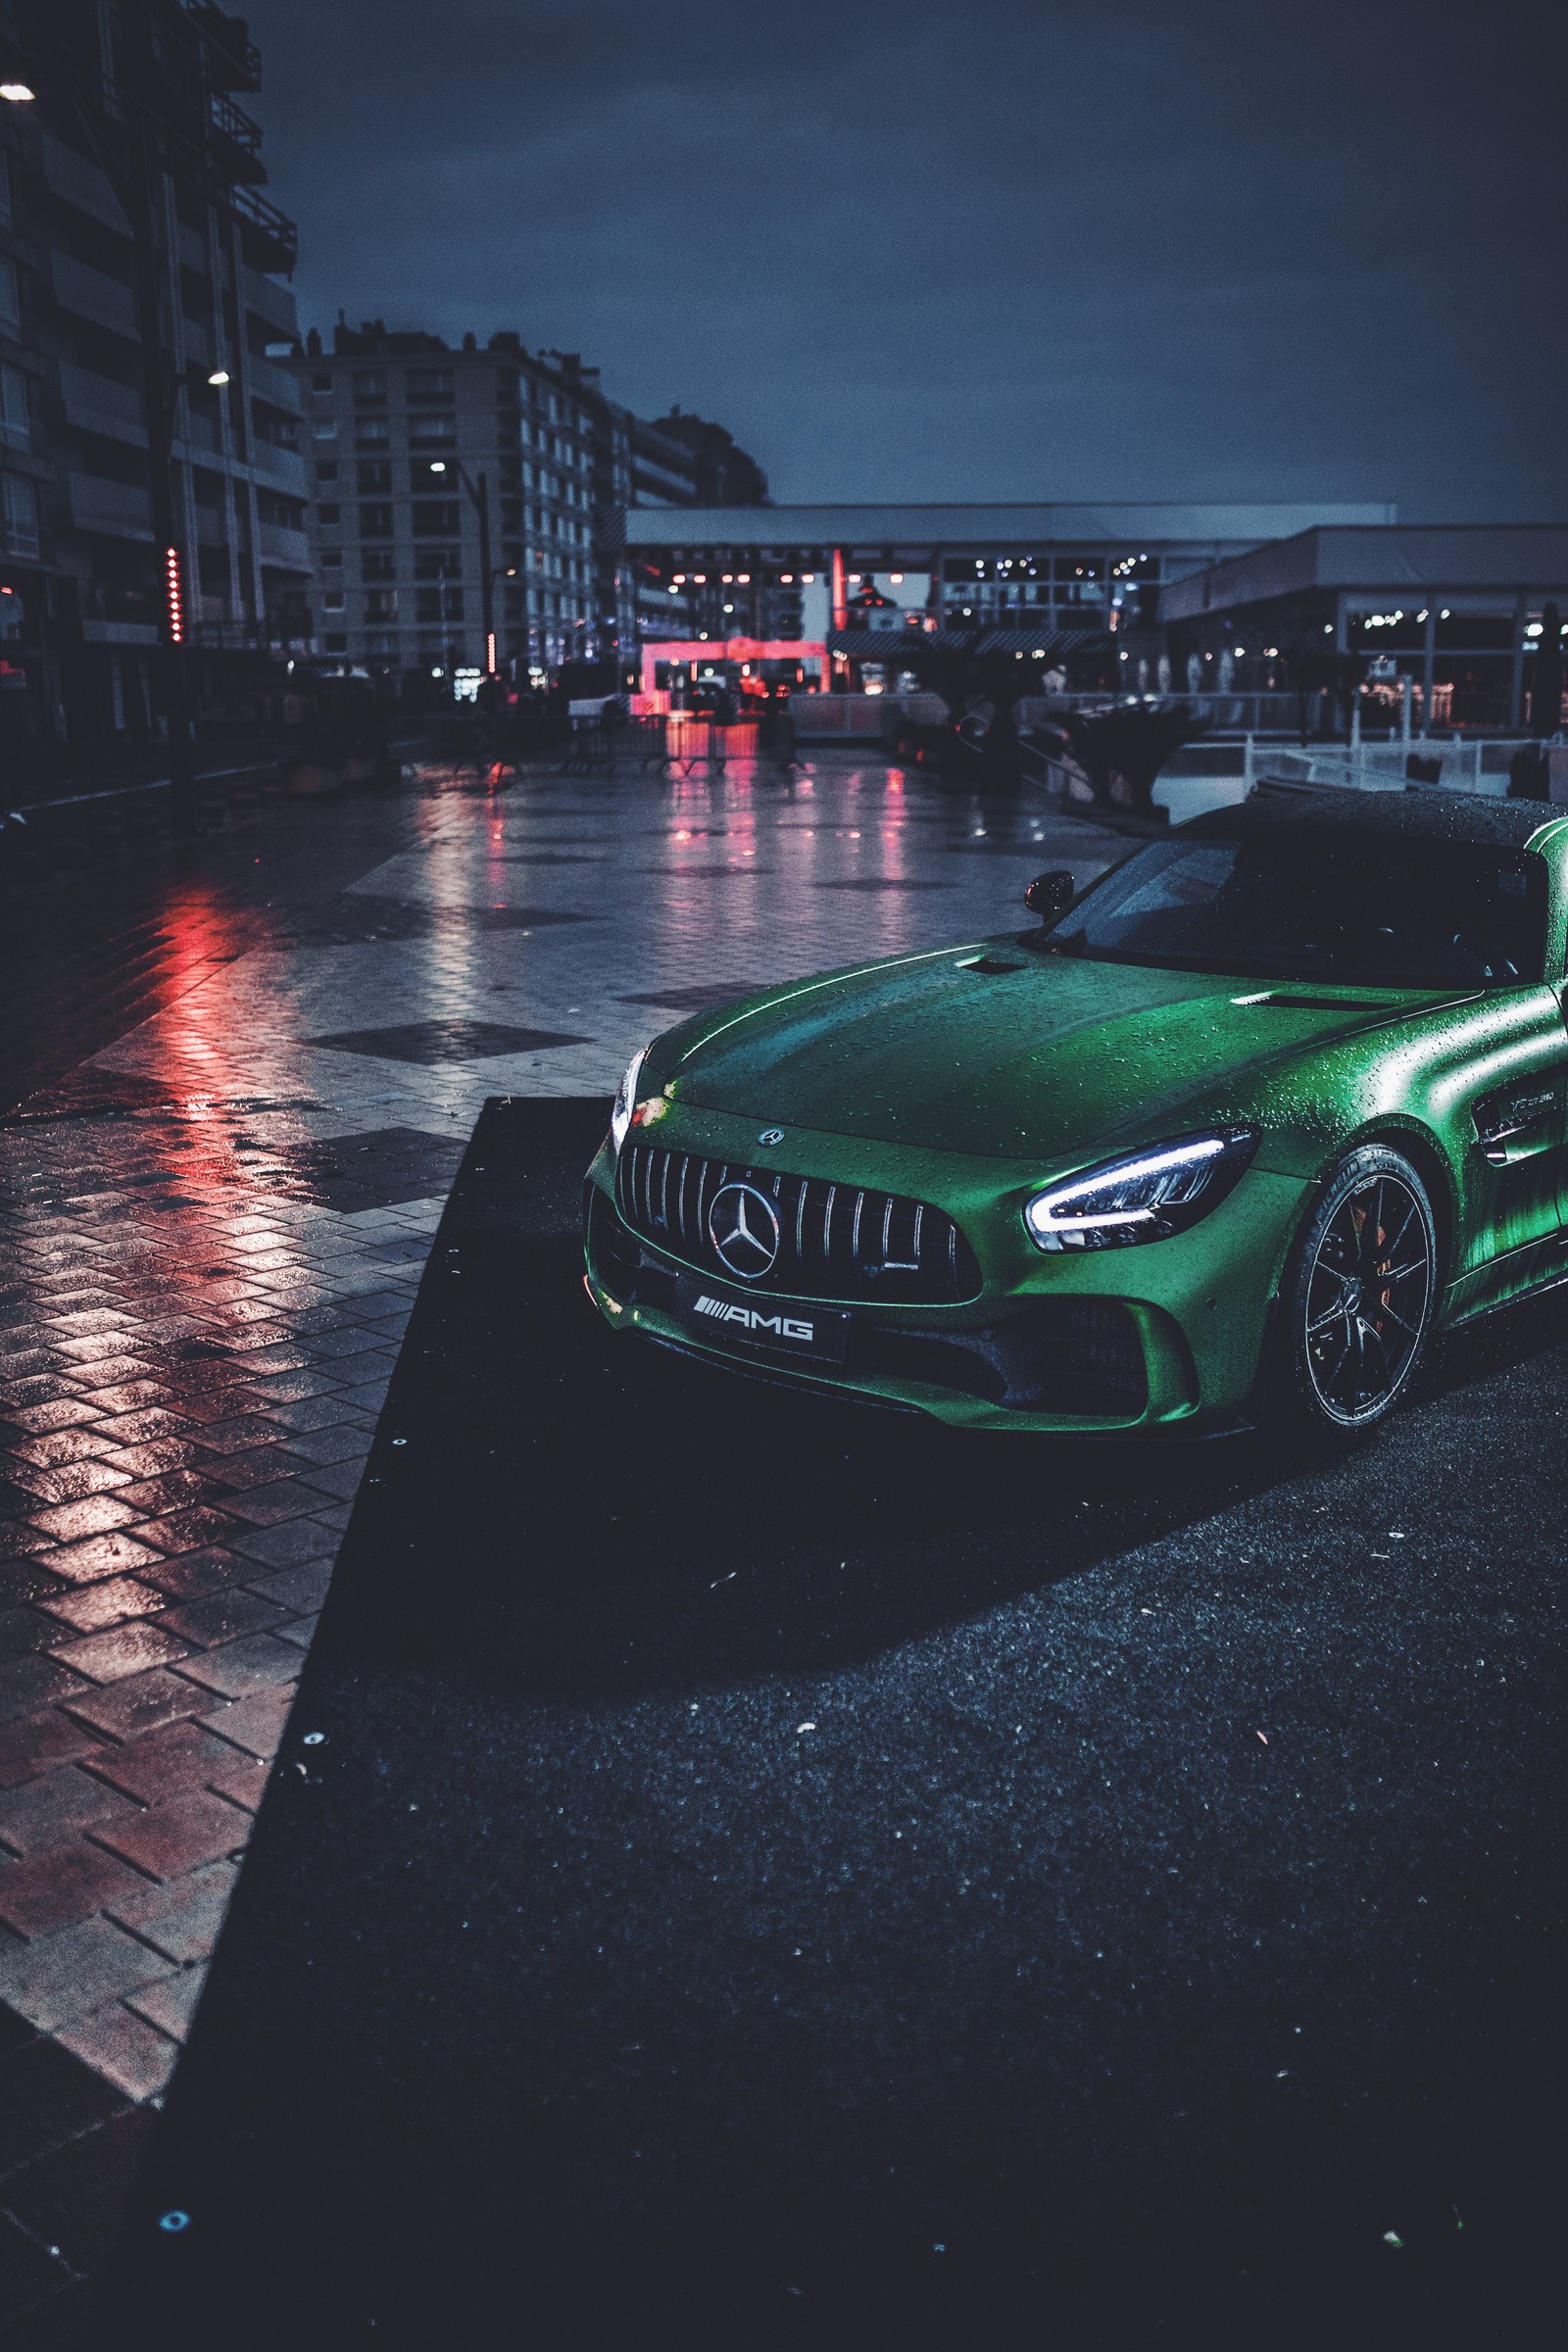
1043,1058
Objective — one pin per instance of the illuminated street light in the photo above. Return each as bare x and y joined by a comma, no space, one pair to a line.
18,92
219,376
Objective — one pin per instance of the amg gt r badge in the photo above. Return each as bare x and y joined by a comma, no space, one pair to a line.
752,1318
743,1228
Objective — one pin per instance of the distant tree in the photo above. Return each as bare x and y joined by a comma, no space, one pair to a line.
1121,751
963,677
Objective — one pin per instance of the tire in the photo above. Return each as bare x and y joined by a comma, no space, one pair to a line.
1359,1298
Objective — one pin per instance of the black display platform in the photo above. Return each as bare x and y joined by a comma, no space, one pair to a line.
745,1870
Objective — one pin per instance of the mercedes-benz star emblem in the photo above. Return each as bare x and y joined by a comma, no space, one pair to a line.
743,1228
772,1135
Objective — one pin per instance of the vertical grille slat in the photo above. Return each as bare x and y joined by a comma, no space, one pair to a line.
822,1252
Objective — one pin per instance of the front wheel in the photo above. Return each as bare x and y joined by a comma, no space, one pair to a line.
1359,1299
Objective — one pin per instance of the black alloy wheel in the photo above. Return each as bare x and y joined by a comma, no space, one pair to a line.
1363,1290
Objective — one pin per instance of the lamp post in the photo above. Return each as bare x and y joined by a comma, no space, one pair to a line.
479,497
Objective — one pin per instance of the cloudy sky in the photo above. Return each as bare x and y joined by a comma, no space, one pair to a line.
987,250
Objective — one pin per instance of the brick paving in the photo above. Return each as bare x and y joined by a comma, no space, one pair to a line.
244,1079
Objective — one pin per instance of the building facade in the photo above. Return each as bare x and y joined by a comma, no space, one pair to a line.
133,219
410,443
1451,614
1046,581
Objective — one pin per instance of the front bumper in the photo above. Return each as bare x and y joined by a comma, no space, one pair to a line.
1161,1338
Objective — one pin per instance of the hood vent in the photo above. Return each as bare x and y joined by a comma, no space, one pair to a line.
1280,1000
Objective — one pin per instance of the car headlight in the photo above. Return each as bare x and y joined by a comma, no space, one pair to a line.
625,1100
1144,1196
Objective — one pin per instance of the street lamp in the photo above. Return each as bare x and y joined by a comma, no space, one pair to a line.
479,497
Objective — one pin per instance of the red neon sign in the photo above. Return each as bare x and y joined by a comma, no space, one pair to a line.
174,597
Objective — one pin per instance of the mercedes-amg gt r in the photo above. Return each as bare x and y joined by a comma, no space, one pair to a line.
1240,1125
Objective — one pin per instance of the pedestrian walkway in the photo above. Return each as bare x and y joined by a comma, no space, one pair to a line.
239,1083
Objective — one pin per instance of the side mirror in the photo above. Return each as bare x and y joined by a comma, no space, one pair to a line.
1049,895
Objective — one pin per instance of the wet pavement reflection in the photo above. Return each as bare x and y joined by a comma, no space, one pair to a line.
238,1081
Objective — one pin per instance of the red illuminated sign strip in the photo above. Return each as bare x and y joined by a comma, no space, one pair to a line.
174,595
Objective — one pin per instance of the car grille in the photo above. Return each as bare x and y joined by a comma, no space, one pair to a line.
837,1242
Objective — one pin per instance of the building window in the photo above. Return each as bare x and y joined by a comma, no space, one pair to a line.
435,518
324,432
382,604
438,563
375,474
10,297
18,515
328,514
430,383
372,432
333,600
375,523
438,604
369,387
338,644
328,473
13,406
432,433
321,383
332,559
378,563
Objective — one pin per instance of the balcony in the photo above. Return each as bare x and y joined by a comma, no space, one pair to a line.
108,510
273,304
280,465
232,58
88,294
279,386
78,182
277,545
96,404
236,139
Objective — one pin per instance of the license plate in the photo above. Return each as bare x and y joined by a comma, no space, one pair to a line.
795,1327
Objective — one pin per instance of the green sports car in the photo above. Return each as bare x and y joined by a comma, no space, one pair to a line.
1242,1123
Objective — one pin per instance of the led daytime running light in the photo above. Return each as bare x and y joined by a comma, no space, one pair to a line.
625,1100
1178,1185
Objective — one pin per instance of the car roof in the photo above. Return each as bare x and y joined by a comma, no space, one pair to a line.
1418,815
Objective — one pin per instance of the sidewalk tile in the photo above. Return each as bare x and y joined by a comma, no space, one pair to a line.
31,1744
191,1574
124,2048
256,1724
60,1887
302,1590
32,1682
168,1764
86,1608
67,1522
242,1668
189,1531
170,1840
170,2003
55,1807
140,1705
287,1547
100,1556
221,1617
119,1650
66,1973
183,1917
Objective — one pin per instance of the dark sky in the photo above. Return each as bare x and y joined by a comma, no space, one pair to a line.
903,250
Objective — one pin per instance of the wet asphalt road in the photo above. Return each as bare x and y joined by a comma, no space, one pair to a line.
780,1873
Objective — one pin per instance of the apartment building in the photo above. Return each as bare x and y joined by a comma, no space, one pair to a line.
131,187
431,467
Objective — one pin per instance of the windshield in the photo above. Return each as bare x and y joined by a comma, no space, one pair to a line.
1361,907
